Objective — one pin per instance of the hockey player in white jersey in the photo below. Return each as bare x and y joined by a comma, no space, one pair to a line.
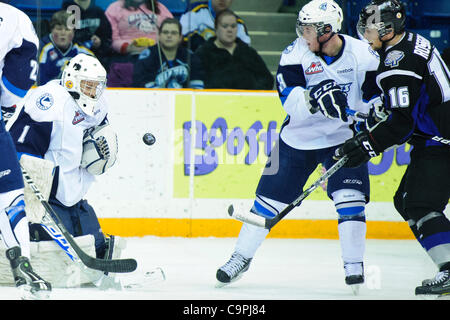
65,121
18,67
319,70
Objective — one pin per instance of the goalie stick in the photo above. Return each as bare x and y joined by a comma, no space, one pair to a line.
64,239
267,223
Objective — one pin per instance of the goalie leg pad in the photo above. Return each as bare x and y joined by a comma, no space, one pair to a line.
52,263
41,171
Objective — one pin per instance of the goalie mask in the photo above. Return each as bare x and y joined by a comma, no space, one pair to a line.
324,15
85,79
100,147
383,16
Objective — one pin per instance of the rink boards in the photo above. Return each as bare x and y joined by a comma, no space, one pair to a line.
167,190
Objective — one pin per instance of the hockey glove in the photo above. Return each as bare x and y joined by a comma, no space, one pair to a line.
379,111
358,149
8,112
327,96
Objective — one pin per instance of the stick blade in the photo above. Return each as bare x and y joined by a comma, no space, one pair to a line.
114,266
247,217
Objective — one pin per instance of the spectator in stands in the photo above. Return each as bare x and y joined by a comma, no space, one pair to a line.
135,24
57,48
198,23
169,65
93,29
231,63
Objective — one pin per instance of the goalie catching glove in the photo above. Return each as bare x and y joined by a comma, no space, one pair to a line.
358,149
100,149
327,96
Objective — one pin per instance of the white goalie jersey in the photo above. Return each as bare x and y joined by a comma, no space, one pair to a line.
300,69
52,127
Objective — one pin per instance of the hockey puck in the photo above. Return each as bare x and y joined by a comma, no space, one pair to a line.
149,139
230,210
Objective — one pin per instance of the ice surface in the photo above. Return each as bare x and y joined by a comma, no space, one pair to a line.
282,269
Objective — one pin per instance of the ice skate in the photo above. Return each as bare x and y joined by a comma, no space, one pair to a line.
232,270
31,285
354,275
439,285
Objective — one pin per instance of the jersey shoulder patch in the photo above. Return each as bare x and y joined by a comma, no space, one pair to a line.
294,52
45,103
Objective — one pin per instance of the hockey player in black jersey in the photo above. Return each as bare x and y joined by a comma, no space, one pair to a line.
415,83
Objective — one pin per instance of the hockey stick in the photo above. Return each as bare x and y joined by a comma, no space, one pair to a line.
64,239
357,114
260,221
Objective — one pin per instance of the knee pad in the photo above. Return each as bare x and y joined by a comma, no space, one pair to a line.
350,205
266,207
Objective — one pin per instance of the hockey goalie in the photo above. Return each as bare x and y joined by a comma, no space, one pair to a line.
64,141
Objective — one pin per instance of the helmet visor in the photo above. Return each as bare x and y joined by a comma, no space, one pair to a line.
92,89
308,30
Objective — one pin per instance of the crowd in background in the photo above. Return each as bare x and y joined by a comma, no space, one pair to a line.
141,44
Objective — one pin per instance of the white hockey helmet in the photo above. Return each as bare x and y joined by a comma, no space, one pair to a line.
322,14
85,79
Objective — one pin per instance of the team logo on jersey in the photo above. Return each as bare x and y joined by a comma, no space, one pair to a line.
315,67
69,84
45,101
393,58
323,6
78,118
53,55
345,87
290,47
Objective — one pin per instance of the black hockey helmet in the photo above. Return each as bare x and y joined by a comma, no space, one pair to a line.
383,15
